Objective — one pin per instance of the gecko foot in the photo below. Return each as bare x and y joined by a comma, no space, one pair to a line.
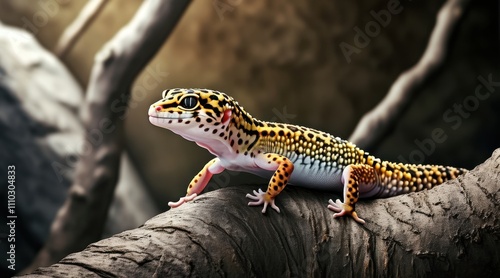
182,200
262,198
342,209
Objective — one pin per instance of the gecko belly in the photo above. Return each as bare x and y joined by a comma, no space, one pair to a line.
314,175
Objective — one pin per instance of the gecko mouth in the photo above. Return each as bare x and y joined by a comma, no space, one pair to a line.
171,116
168,120
152,113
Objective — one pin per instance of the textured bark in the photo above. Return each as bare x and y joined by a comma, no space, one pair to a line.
450,231
81,219
375,124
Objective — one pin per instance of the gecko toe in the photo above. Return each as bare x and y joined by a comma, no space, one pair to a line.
259,198
355,216
182,200
342,209
334,206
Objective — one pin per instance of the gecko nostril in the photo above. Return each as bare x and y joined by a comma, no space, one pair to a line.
158,108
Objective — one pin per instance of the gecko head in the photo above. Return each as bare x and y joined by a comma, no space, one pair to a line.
195,114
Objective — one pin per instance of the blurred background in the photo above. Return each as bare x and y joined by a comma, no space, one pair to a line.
283,61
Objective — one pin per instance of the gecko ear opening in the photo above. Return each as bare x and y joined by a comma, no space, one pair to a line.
226,116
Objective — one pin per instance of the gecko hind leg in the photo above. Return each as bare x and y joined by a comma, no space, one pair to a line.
352,177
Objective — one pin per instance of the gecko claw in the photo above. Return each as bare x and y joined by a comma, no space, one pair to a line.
260,198
342,209
182,200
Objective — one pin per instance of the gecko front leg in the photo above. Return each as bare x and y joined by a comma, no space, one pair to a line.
200,181
283,168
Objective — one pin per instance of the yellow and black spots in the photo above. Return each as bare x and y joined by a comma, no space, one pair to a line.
217,122
185,110
399,178
281,175
283,169
307,146
353,177
199,182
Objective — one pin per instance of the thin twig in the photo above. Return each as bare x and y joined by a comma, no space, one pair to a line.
80,220
74,31
376,123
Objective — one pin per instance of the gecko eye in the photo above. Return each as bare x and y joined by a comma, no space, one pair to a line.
189,102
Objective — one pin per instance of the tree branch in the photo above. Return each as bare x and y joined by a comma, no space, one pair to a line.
81,218
375,124
451,230
74,31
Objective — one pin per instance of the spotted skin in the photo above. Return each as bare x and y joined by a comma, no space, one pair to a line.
284,153
353,176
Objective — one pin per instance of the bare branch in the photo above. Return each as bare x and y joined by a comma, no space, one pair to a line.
376,123
451,230
74,31
81,219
